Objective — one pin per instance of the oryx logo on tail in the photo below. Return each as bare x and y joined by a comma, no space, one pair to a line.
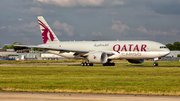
45,35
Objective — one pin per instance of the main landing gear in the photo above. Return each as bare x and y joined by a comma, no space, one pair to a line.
156,61
86,64
109,63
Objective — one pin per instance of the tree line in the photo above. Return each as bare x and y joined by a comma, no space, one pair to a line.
11,46
19,48
174,46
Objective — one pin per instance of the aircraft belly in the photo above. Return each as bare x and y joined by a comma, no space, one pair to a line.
67,55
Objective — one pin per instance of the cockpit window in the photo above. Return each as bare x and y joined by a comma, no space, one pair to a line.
163,47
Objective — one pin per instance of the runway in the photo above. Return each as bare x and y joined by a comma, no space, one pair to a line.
36,96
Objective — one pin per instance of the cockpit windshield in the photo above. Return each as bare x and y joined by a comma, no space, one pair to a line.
161,47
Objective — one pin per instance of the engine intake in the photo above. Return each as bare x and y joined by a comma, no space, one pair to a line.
97,57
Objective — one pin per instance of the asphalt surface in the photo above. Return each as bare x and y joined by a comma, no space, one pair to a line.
35,96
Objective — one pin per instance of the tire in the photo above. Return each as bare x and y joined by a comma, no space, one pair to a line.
113,64
82,64
155,64
90,64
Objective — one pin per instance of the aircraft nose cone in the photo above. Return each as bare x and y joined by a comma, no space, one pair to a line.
167,52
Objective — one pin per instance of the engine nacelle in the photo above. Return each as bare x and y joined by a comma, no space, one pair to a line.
97,57
135,60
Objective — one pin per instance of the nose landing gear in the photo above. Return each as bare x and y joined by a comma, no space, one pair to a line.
156,61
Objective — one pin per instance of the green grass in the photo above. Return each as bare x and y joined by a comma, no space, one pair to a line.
63,62
97,79
150,63
38,61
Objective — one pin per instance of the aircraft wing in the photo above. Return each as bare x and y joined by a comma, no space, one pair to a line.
60,49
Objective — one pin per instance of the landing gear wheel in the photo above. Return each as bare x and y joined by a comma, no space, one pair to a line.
155,64
86,64
108,64
91,64
82,64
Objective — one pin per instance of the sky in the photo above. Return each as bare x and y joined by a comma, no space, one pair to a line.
155,20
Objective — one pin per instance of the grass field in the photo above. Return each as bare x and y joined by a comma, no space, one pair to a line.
52,77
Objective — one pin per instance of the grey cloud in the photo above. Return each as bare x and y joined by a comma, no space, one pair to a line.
32,27
172,32
166,7
36,10
170,7
142,29
97,34
20,19
119,27
80,3
82,35
68,29
156,20
58,33
3,27
117,2
12,29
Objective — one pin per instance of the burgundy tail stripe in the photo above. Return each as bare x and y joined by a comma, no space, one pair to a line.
42,24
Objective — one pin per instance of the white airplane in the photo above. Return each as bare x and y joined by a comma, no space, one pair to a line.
100,51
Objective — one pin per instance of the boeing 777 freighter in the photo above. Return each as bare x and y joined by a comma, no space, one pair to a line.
99,51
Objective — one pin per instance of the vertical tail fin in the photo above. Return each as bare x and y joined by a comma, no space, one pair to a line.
48,35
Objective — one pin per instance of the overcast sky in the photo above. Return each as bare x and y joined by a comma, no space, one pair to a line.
156,20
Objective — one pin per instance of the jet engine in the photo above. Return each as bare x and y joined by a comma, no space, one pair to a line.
135,60
97,57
